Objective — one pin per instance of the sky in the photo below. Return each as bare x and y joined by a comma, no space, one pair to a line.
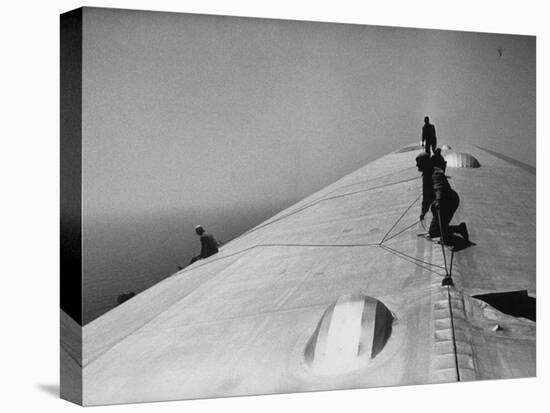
225,121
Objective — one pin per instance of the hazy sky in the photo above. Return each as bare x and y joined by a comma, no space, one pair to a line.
224,121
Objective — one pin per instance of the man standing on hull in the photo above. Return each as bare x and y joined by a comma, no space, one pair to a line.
428,136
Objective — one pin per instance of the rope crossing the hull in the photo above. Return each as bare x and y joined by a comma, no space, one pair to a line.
453,333
447,280
399,219
327,198
381,244
442,242
426,266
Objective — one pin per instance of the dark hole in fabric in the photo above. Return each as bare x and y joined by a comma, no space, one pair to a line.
514,303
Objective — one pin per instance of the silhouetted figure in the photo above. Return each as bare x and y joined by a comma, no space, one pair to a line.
438,160
443,199
209,245
428,136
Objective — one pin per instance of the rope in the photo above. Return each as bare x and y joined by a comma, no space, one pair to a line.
369,244
402,231
447,274
370,189
186,269
325,245
372,179
399,219
412,258
315,202
442,242
453,331
416,261
400,254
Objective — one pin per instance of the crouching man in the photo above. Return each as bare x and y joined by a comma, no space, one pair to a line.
443,199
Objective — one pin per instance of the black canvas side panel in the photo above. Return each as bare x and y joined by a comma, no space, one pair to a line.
71,205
